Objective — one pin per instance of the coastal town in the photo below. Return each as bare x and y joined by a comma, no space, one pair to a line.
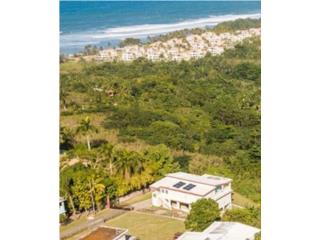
153,143
193,46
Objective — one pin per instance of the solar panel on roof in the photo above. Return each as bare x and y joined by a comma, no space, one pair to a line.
179,184
189,186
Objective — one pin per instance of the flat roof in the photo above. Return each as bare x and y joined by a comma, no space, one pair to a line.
222,231
204,179
194,236
190,183
105,233
232,230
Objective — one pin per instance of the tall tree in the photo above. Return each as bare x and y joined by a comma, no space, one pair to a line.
105,158
63,98
67,140
86,128
97,190
127,162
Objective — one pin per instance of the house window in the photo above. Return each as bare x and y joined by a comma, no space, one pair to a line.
166,191
218,189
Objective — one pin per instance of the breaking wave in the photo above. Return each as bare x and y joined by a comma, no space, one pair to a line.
154,29
77,41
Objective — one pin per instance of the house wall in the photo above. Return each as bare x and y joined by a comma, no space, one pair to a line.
225,202
162,197
177,196
62,208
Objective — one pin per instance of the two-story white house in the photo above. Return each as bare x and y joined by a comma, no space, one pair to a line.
179,190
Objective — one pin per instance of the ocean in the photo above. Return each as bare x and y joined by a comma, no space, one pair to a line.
105,23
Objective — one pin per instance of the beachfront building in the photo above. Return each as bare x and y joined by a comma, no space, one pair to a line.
107,55
128,55
108,233
223,231
62,206
215,50
178,49
179,190
153,54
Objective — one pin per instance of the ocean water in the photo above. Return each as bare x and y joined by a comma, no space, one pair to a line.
104,23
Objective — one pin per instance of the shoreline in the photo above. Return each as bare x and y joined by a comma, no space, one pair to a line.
177,46
73,43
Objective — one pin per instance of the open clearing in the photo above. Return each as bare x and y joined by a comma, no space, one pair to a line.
148,227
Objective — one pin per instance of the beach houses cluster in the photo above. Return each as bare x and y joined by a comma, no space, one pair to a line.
177,49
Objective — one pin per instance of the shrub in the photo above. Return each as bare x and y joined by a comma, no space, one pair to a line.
203,213
62,218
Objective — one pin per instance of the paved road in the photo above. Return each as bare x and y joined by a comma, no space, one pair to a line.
101,218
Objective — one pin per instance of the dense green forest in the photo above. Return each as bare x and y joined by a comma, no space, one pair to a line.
200,116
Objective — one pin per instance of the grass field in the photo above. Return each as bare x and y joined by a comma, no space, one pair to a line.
242,201
83,219
148,227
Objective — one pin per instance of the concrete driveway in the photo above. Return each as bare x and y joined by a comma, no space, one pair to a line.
142,205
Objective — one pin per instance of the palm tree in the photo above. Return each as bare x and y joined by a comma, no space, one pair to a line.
95,184
127,163
104,158
85,128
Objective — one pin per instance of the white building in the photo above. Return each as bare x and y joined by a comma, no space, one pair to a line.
107,55
179,190
127,56
153,54
62,206
223,231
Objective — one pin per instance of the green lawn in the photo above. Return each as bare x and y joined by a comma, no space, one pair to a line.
148,227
